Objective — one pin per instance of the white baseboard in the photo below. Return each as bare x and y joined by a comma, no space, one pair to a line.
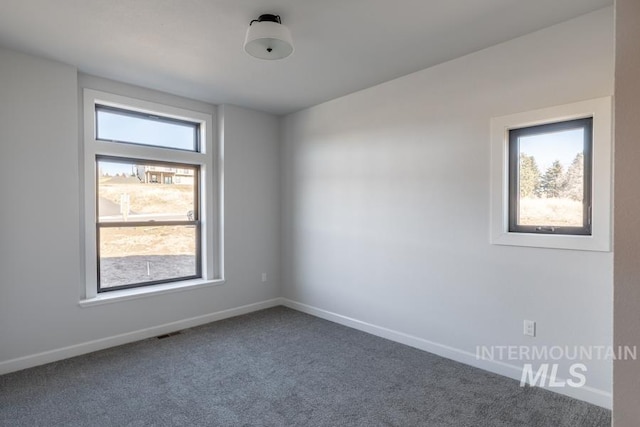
100,344
585,393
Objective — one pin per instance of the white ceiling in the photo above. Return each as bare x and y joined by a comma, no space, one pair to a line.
194,47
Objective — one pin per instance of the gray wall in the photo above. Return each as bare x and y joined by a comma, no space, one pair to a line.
41,241
386,206
626,379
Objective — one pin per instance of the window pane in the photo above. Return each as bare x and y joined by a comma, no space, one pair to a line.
134,255
137,128
551,178
137,191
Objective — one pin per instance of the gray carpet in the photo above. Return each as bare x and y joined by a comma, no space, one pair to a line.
276,367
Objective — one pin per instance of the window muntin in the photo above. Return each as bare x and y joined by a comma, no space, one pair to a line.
550,178
144,226
132,127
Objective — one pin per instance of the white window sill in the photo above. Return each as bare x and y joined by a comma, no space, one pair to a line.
595,242
146,291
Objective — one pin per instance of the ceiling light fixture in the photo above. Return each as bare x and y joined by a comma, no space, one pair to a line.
267,38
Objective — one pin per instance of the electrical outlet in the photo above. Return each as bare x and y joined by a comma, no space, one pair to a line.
264,277
530,328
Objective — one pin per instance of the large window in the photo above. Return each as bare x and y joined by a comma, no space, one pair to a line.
146,233
551,177
150,195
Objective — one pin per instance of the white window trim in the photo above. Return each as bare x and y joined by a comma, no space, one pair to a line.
206,159
600,239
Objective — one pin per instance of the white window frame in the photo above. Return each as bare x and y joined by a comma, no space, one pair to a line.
209,193
600,238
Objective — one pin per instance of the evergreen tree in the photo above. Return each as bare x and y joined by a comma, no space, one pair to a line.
573,186
551,184
529,176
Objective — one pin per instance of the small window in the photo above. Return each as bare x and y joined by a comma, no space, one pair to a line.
550,178
132,127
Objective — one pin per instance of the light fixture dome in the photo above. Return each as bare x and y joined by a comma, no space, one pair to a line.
267,38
